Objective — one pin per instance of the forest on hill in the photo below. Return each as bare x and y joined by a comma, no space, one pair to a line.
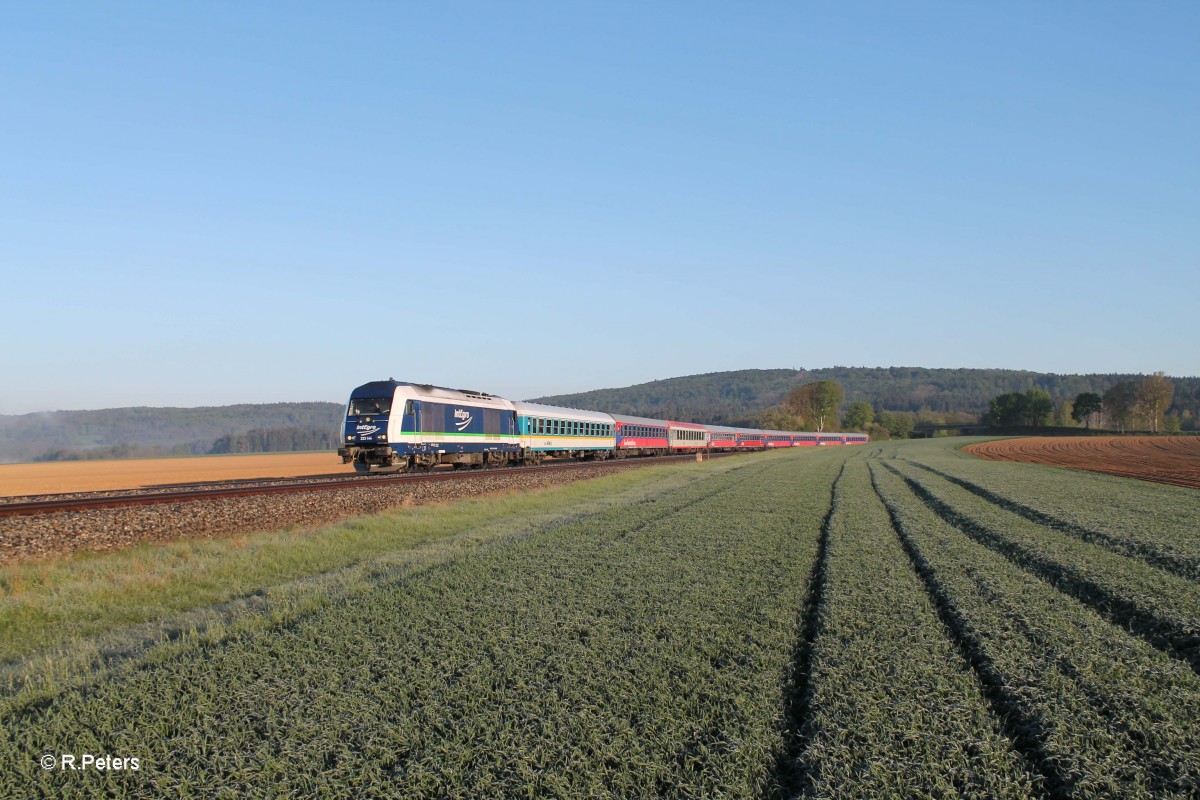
146,432
740,397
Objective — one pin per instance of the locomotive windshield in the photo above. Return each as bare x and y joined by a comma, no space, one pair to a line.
370,406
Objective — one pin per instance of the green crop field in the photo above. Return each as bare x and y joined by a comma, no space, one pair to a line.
894,620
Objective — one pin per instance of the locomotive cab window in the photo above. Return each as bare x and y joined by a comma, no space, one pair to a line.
364,406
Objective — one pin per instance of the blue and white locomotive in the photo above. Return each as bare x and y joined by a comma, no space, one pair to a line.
392,426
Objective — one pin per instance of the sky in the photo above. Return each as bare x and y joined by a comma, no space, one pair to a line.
224,202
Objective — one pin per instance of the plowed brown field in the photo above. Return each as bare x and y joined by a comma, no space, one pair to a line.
1162,459
56,477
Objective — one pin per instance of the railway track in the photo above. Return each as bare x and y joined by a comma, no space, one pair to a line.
183,493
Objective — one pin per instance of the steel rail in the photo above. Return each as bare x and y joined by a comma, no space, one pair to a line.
189,493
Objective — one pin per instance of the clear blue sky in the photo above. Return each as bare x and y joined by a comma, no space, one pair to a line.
212,203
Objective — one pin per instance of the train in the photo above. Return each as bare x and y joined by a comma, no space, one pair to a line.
394,426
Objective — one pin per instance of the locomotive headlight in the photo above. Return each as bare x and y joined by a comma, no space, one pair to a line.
381,437
349,438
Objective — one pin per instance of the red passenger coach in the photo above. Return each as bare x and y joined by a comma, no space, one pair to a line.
640,436
752,440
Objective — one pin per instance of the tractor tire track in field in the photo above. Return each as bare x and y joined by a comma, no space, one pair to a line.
1156,631
1023,729
1186,569
787,780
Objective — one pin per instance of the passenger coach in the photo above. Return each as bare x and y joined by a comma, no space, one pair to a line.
553,431
641,436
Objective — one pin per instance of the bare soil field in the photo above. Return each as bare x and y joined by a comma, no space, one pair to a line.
57,477
1162,459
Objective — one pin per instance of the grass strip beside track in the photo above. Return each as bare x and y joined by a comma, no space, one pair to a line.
65,609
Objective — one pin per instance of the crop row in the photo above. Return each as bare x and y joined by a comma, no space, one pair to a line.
1100,712
895,708
641,651
1161,606
1153,522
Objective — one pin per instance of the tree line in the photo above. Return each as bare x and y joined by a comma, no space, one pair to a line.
1145,405
263,440
739,397
815,407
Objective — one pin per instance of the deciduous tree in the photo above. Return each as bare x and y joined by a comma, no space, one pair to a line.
1006,409
859,416
1120,401
816,402
899,424
1087,405
778,418
1154,398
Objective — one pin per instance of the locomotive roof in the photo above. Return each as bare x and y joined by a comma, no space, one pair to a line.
388,387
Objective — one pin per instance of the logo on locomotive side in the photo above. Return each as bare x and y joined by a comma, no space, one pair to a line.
462,419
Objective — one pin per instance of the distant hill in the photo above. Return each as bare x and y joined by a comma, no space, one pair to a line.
736,398
143,431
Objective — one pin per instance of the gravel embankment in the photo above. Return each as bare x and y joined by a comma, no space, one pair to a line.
48,535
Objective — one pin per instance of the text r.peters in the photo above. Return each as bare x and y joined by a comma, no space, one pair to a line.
89,761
